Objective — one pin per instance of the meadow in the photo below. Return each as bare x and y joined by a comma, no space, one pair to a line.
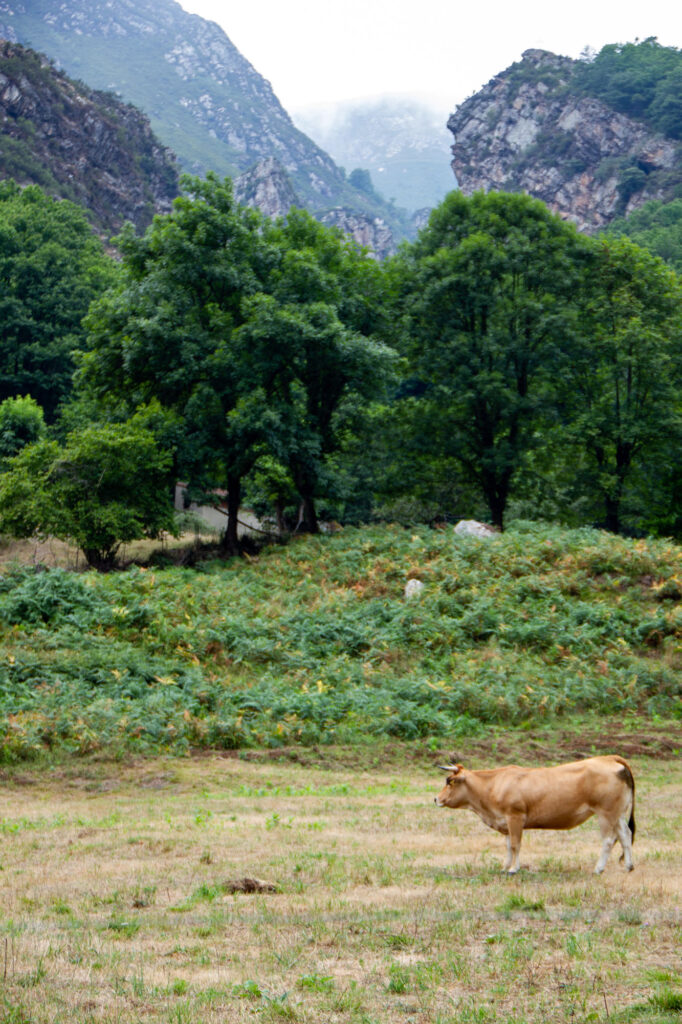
167,732
116,901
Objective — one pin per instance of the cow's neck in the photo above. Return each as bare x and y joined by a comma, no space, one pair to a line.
480,804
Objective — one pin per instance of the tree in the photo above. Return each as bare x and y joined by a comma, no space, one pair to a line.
168,330
313,351
106,486
51,267
485,296
21,422
620,388
254,333
639,79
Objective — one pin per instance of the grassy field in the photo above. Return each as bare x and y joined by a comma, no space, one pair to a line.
167,732
115,902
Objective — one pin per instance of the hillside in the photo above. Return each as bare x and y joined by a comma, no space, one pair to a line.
548,127
203,98
315,643
79,144
404,146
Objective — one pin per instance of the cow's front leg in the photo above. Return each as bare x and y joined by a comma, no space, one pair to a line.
508,860
514,833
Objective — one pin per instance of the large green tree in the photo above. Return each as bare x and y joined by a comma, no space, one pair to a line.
51,268
486,313
168,330
620,389
312,338
255,334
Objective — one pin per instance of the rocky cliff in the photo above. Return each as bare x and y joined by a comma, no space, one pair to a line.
204,99
268,188
529,130
80,145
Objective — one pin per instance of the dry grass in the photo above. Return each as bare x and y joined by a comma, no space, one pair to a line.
114,906
56,554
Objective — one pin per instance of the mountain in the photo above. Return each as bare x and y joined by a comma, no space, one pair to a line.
404,145
203,98
544,127
79,144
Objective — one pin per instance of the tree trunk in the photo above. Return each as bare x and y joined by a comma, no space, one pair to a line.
612,520
230,542
307,522
102,561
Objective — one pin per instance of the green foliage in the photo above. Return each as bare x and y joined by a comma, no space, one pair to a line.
488,293
51,267
656,226
362,180
107,485
21,422
621,379
257,336
639,79
316,644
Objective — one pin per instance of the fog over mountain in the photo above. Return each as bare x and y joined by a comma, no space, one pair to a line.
405,145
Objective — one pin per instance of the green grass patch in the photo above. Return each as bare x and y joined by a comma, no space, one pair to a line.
314,643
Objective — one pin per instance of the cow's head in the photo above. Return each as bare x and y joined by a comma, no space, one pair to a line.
453,793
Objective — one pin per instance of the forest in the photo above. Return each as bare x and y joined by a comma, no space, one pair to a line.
501,366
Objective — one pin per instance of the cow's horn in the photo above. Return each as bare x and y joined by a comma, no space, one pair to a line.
449,767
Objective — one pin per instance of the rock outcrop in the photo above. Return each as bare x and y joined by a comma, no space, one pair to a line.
80,145
370,232
528,131
268,187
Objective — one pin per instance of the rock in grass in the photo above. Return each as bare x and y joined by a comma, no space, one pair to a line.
249,885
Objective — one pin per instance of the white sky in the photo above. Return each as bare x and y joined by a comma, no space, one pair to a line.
326,51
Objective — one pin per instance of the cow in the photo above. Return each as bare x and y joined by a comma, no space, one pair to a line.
510,799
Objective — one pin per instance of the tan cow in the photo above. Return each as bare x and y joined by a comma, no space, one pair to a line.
511,799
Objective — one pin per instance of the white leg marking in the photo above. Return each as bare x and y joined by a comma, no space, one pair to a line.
516,859
625,839
606,847
508,859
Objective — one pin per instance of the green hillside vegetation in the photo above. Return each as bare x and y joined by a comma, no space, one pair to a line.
314,643
657,226
642,80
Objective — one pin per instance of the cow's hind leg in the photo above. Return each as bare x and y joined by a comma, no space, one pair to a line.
608,838
625,840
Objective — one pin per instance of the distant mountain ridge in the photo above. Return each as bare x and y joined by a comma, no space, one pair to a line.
79,144
204,99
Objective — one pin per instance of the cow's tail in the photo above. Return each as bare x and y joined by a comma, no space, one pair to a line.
625,774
